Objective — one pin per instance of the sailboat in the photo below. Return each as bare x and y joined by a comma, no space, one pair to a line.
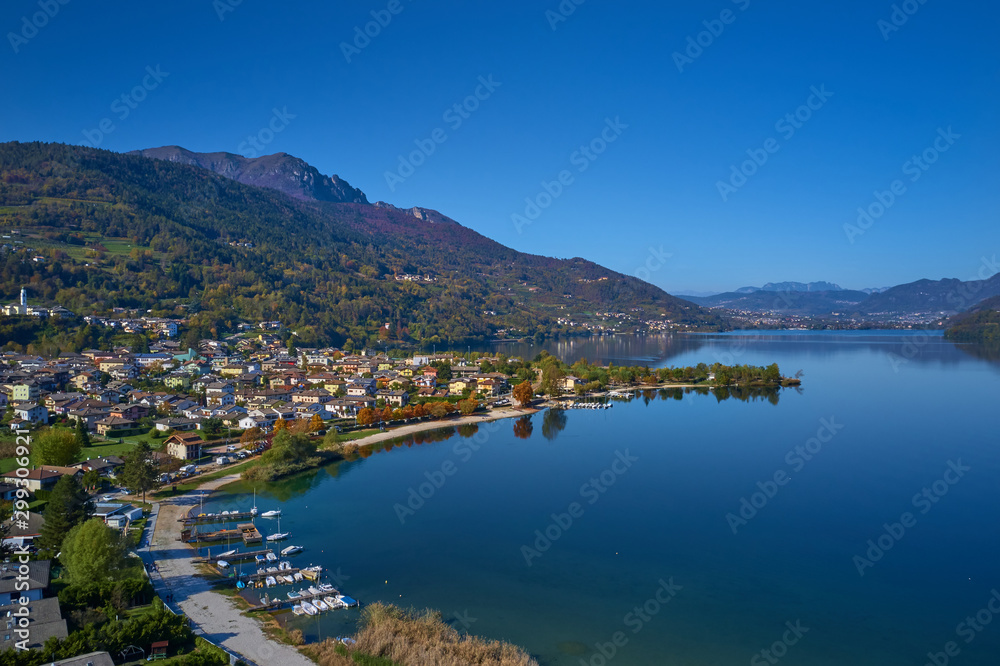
273,513
279,535
253,511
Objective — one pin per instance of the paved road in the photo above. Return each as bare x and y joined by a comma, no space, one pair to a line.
216,615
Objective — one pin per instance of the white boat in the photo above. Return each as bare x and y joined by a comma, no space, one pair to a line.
271,557
284,565
334,603
223,564
291,550
275,513
294,595
287,580
314,590
278,536
228,553
320,606
326,587
297,576
270,582
347,601
309,608
297,609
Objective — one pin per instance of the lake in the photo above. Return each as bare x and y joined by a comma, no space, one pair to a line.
851,521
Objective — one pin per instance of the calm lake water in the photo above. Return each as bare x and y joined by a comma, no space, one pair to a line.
647,496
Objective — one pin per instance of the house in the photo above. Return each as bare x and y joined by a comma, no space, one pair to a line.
43,621
27,391
174,423
569,383
311,397
116,515
394,398
31,412
36,580
89,415
220,393
133,412
106,466
458,386
185,446
23,533
8,492
110,425
34,479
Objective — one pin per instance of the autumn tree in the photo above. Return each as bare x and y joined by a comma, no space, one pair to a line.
468,406
523,393
251,436
366,416
438,410
315,423
280,425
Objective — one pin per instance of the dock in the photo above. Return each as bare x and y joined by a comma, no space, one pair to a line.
238,557
217,517
248,532
274,604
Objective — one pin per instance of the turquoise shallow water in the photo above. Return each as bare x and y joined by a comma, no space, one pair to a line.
899,409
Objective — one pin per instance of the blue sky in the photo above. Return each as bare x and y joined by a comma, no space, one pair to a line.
556,82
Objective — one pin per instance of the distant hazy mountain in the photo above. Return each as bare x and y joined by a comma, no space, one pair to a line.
792,286
923,296
281,171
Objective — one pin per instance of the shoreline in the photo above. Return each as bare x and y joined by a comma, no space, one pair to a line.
409,429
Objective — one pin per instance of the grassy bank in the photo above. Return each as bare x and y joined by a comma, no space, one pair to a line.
392,636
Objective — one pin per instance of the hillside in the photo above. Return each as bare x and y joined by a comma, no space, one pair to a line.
949,295
126,231
800,302
980,324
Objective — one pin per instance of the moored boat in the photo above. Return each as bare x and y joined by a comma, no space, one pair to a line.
291,550
309,608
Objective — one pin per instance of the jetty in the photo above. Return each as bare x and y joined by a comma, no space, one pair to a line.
248,532
217,517
236,557
278,602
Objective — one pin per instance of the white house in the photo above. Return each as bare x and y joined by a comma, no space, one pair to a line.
29,411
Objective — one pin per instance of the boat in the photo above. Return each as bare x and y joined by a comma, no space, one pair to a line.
297,576
271,557
297,609
278,536
240,585
314,590
334,603
223,564
228,553
320,606
294,595
274,513
253,511
291,550
309,608
326,587
259,558
347,601
270,582
284,565
287,580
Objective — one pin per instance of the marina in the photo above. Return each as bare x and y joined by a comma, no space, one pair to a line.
218,517
247,532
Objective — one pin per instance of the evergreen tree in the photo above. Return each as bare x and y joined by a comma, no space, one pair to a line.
82,436
140,472
67,508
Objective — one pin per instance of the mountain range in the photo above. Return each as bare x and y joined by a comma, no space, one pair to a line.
934,297
220,238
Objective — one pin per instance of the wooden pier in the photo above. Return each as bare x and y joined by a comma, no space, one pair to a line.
279,602
238,557
216,518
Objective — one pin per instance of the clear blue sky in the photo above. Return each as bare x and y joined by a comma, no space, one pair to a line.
655,185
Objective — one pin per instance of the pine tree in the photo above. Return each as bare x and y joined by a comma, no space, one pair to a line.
67,507
82,436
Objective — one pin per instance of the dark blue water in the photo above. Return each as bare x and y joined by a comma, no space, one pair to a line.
648,557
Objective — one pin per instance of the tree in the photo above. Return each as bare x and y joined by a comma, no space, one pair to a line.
93,552
56,446
468,406
67,507
438,410
251,436
212,426
331,440
82,436
315,423
550,379
140,473
280,425
523,393
366,416
91,478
